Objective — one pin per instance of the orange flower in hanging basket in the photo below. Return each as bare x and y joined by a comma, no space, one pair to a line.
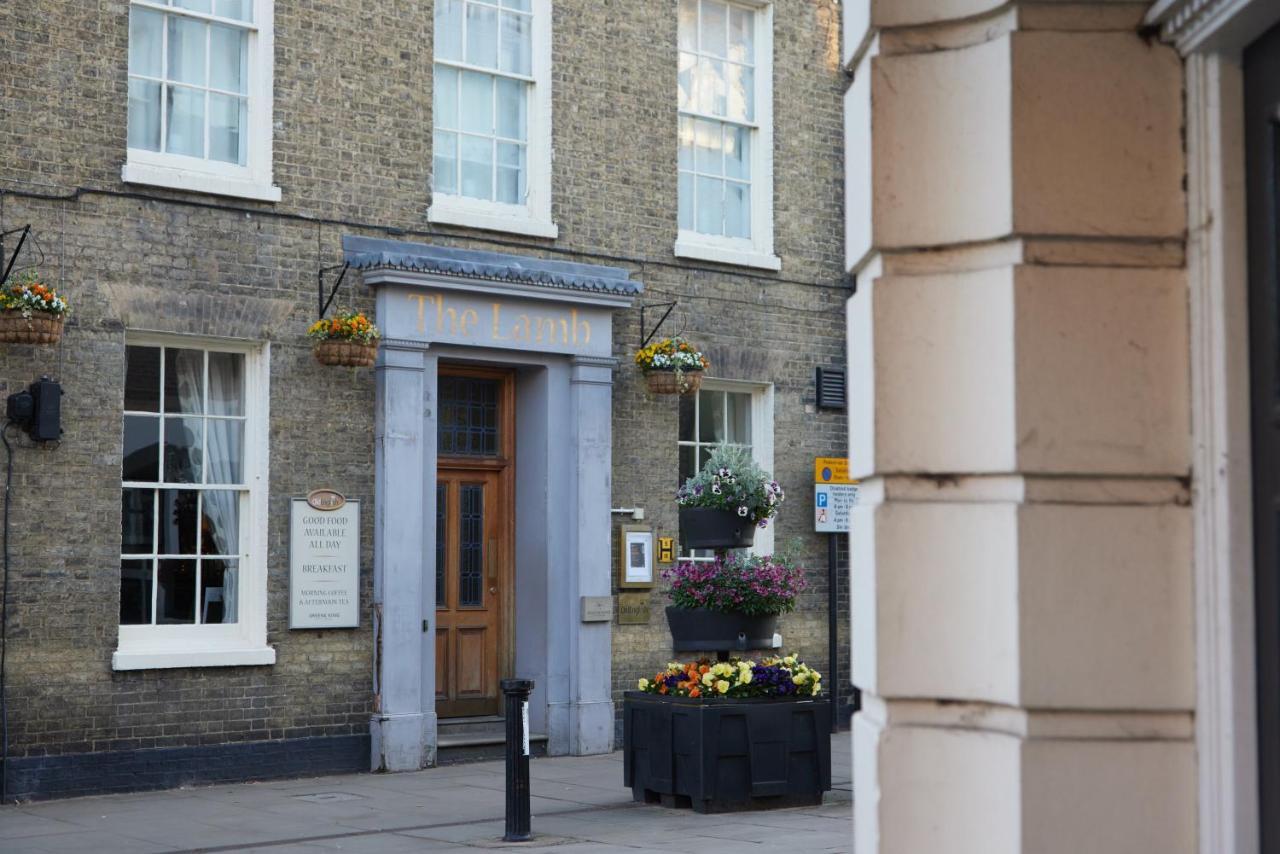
348,339
31,312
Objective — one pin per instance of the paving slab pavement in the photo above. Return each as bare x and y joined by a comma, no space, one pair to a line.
578,804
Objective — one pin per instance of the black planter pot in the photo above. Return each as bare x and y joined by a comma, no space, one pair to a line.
701,630
726,755
708,528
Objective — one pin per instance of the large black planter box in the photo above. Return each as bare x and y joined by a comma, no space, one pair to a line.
726,755
702,630
708,528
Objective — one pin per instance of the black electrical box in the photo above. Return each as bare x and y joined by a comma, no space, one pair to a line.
38,410
46,420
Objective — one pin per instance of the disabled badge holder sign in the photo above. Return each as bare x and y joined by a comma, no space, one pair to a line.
834,495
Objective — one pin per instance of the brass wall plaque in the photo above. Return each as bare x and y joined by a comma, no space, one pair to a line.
326,499
634,609
666,549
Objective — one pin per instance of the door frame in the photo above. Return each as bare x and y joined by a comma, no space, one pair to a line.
505,467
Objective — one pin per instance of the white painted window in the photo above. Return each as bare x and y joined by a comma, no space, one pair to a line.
491,115
730,413
724,87
200,93
193,506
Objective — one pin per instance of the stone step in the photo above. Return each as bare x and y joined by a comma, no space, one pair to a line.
455,750
482,725
477,739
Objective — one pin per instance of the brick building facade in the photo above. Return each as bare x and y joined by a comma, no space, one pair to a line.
152,261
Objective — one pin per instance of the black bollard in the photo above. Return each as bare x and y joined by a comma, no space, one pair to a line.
517,705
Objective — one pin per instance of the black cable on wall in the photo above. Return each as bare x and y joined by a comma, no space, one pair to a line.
4,620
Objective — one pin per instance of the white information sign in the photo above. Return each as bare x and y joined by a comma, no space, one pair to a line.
524,725
324,562
831,505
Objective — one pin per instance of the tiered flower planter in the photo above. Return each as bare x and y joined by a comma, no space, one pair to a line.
718,755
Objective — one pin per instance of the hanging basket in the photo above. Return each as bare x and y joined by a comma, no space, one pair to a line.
353,354
673,382
39,328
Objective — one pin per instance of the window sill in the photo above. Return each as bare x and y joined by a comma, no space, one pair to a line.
447,211
158,660
197,182
725,254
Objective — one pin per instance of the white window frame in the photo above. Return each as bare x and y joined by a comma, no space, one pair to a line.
146,647
758,250
533,218
199,175
761,445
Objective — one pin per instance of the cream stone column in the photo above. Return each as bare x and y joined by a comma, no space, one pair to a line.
1018,354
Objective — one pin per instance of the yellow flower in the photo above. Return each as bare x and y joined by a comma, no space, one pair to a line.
722,686
643,685
708,678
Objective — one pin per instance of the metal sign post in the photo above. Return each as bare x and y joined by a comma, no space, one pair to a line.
834,494
516,692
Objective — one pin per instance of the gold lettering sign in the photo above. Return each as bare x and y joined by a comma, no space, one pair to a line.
326,499
549,329
634,609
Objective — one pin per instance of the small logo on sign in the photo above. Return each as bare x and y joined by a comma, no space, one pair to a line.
326,499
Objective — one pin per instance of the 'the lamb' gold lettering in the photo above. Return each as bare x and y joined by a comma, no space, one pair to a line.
547,330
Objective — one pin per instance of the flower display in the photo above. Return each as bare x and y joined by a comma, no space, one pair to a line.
730,480
345,326
671,354
784,676
750,584
30,296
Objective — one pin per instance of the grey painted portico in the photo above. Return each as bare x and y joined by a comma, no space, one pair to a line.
552,322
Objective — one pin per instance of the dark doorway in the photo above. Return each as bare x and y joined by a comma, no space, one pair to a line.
1262,151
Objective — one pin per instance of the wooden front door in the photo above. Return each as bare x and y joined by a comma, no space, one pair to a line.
474,527
1262,149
